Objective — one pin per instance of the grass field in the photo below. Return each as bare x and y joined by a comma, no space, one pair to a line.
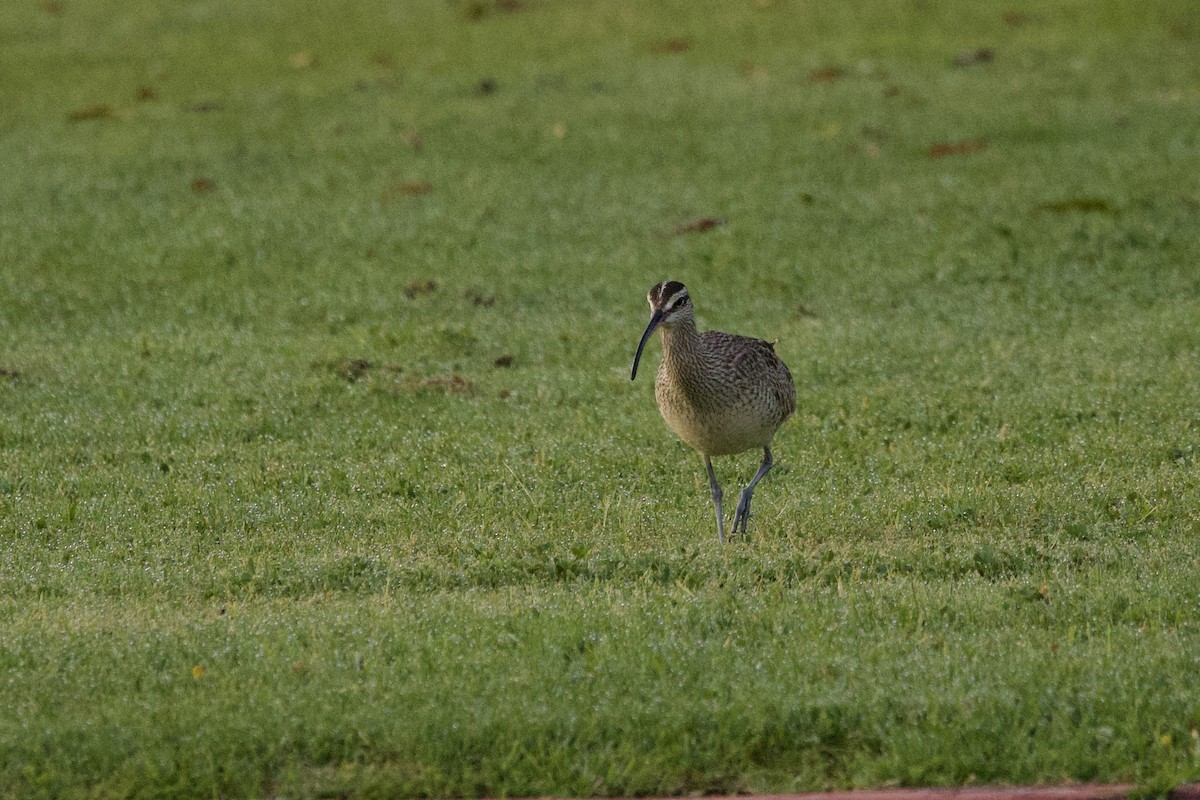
321,473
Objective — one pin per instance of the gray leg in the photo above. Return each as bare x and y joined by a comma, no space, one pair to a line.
742,515
715,488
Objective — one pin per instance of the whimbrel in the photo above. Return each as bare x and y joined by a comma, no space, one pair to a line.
722,394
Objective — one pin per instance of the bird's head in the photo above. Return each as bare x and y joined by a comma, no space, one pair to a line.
669,306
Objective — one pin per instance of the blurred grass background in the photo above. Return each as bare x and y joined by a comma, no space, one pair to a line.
321,472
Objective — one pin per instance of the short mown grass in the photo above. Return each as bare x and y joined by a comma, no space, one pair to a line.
321,473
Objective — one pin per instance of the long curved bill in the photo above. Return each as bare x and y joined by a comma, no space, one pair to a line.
655,319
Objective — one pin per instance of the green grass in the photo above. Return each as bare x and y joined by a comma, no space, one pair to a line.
273,522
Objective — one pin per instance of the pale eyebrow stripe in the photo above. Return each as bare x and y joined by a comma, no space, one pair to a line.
676,299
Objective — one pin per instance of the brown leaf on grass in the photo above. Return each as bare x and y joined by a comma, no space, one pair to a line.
146,94
486,86
54,8
1015,19
671,46
479,299
505,360
1183,31
381,59
826,74
405,189
697,225
876,135
414,187
94,111
417,288
962,148
412,139
479,9
200,184
753,72
304,60
353,368
1082,204
982,55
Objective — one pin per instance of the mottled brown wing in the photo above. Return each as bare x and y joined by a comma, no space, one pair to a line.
785,388
755,363
782,386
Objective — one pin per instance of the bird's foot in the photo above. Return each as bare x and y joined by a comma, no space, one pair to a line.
742,515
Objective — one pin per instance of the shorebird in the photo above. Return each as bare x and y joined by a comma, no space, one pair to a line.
720,393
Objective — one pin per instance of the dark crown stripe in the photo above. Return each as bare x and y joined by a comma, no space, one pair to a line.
664,291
